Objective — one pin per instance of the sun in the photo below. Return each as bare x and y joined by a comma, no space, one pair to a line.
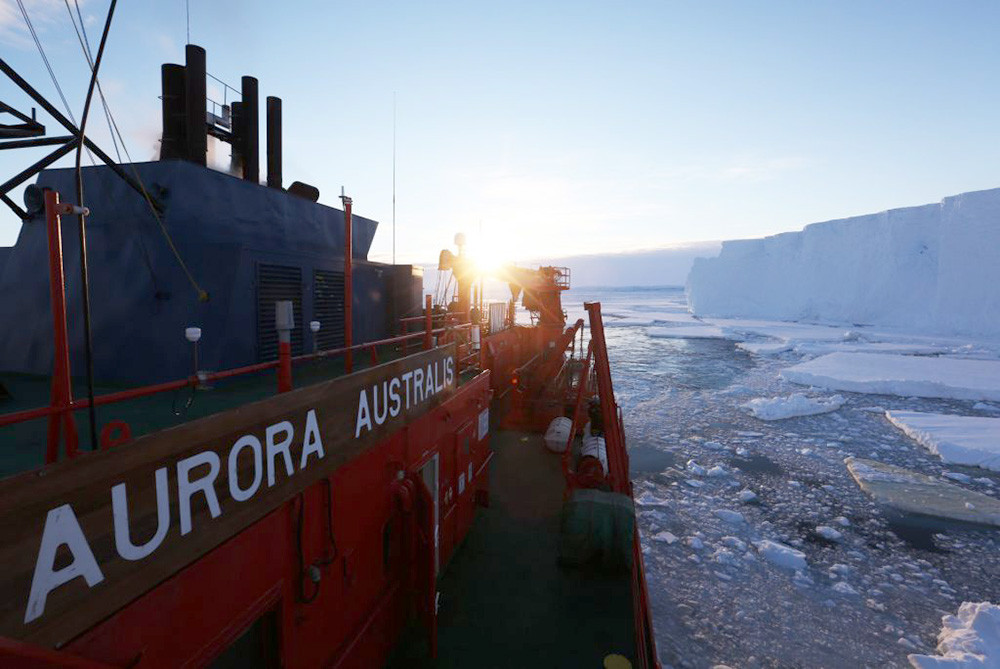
490,259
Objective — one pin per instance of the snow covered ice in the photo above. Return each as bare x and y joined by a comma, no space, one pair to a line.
780,408
781,555
963,440
904,375
887,576
970,639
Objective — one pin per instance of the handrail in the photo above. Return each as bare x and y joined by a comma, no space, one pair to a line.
144,391
614,437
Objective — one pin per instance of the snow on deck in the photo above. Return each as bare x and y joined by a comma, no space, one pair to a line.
903,375
962,440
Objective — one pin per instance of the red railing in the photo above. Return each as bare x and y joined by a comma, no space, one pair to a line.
618,473
143,391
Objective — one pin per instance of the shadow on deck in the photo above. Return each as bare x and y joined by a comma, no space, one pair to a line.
505,602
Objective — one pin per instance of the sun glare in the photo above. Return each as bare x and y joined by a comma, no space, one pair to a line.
490,258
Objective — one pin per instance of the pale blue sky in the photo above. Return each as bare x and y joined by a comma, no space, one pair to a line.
574,127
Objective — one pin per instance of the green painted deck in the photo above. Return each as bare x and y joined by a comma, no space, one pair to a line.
505,602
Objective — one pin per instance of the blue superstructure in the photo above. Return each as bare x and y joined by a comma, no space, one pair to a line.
245,244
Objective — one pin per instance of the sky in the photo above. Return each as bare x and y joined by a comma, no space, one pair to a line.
545,129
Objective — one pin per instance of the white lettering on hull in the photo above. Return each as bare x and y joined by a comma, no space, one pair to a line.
63,529
386,401
198,474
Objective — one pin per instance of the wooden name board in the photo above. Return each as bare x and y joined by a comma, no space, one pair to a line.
83,538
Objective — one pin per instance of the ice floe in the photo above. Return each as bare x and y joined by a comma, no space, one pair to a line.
734,517
829,533
780,408
911,492
903,375
969,639
962,440
781,555
687,332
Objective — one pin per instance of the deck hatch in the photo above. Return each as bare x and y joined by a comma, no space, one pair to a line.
274,283
328,307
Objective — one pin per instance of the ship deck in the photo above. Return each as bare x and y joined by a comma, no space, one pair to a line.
505,602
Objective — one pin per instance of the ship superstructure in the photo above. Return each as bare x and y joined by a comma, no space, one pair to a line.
326,470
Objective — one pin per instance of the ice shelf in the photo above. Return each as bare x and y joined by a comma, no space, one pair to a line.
930,268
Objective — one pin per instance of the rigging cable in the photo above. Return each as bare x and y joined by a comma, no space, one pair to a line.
81,222
48,66
202,294
112,125
85,46
45,59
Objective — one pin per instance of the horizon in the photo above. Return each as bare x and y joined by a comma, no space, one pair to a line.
685,124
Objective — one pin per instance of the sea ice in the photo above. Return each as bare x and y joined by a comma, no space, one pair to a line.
903,375
779,408
688,332
829,533
962,440
734,517
912,492
695,468
765,347
970,639
844,589
781,555
746,496
665,536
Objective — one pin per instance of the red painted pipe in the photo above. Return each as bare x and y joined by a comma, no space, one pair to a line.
284,366
62,392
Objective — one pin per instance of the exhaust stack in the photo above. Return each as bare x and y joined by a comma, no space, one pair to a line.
274,142
173,142
194,103
250,131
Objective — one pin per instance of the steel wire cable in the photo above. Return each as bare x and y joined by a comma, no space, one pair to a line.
48,66
202,294
85,46
81,224
109,117
45,59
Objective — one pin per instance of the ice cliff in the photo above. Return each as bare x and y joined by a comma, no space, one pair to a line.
933,268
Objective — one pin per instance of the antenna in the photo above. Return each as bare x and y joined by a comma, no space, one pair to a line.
394,177
187,7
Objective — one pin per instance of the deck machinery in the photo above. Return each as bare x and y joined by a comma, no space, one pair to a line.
281,496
